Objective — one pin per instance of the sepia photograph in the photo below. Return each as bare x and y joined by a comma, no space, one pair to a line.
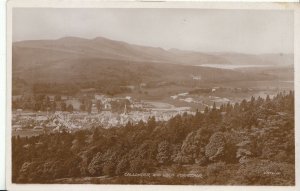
152,96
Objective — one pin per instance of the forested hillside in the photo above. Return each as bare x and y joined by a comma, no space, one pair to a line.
251,142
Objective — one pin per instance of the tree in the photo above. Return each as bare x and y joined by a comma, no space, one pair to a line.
109,168
141,124
80,137
70,108
268,98
193,147
222,108
252,101
206,110
214,115
96,135
214,107
236,107
197,120
37,106
128,124
96,165
122,166
136,165
163,152
63,106
151,122
228,107
82,107
215,149
99,105
243,105
57,98
53,106
89,107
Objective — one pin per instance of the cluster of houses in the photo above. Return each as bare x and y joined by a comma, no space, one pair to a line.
134,112
77,120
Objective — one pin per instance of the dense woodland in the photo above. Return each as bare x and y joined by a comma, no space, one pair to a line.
251,142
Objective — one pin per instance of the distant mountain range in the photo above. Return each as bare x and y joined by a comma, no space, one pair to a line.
110,49
79,59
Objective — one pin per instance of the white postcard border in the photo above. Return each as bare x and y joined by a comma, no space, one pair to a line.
134,4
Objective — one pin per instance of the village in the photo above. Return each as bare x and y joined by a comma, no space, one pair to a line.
101,111
45,113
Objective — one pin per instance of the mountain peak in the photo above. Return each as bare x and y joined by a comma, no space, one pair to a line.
100,38
72,38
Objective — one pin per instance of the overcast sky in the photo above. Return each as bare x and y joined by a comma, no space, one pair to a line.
245,31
